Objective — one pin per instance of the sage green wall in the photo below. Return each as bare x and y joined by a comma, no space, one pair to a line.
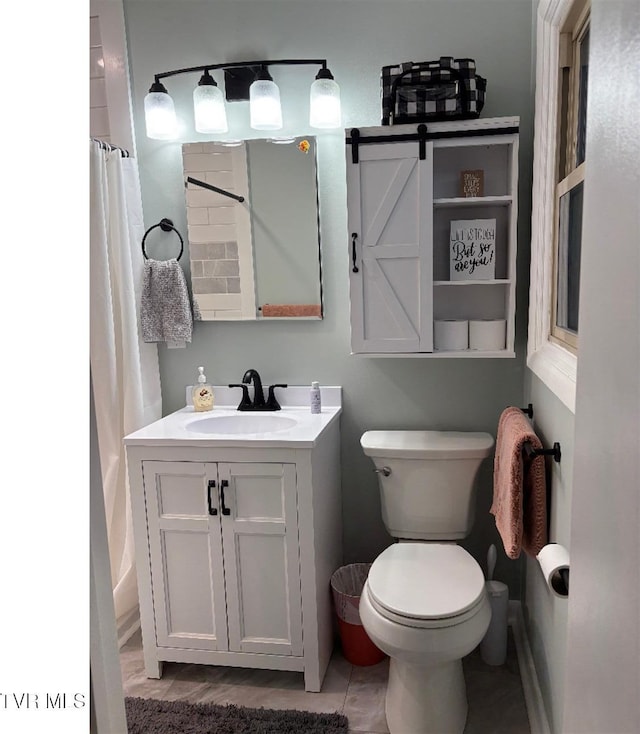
357,37
545,614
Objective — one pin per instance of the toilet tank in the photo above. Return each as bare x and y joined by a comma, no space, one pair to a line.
429,493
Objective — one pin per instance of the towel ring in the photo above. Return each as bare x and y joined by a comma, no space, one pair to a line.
166,225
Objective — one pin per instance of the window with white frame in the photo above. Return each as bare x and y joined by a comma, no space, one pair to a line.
558,182
572,127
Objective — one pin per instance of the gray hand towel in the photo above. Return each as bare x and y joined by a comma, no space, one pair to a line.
165,308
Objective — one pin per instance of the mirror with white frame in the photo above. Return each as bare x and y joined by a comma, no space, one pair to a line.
253,229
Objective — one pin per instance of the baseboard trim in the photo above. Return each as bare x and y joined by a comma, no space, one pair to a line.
538,722
128,627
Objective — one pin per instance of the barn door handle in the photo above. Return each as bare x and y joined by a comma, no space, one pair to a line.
225,510
354,237
211,484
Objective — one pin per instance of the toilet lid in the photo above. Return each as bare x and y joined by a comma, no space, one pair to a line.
427,444
426,580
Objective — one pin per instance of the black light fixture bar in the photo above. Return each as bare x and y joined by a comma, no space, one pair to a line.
244,80
240,64
237,86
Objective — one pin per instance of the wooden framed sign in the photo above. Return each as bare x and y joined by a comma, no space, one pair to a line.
472,249
472,183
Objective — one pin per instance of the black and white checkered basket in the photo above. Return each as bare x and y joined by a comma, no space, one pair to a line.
447,89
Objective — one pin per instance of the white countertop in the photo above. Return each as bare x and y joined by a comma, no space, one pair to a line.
180,428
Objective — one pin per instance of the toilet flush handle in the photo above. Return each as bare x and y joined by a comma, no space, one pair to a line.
385,471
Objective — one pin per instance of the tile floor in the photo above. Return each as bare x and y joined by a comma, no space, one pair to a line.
496,698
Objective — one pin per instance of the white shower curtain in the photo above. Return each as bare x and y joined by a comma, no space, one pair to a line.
124,369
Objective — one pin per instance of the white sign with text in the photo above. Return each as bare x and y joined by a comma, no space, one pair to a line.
472,249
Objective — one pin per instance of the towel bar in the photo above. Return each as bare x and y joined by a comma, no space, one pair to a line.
555,451
166,225
209,186
531,452
528,410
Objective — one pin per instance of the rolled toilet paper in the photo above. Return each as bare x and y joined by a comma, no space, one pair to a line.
487,335
450,335
554,562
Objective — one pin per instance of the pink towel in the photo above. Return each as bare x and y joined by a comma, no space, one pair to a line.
519,487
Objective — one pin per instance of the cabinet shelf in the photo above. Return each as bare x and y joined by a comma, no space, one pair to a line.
475,353
473,201
497,281
463,354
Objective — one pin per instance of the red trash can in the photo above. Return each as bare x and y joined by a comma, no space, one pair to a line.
346,587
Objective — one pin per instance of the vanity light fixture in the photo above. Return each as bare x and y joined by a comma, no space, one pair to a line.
264,102
160,113
324,101
208,106
244,80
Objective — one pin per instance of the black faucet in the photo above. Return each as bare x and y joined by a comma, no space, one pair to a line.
258,393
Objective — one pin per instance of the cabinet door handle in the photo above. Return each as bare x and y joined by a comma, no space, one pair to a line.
354,237
225,510
211,484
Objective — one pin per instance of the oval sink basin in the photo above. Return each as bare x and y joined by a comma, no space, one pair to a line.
242,423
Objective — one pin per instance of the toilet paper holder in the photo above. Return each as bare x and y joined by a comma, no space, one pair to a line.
564,576
554,562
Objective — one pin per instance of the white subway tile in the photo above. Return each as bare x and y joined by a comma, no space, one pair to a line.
191,148
221,161
95,38
197,196
212,233
97,93
219,301
197,215
215,148
222,215
221,179
98,122
96,63
206,162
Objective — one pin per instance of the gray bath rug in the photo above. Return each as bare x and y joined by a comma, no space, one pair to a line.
149,716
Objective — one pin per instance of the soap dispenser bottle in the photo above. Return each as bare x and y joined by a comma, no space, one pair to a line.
202,393
314,398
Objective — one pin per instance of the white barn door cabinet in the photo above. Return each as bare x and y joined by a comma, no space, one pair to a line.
408,197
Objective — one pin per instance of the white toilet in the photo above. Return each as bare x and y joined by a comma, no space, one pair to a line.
424,602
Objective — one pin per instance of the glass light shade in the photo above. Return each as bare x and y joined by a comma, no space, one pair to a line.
209,110
264,105
324,104
160,116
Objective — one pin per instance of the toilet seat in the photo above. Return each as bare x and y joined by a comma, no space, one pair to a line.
426,585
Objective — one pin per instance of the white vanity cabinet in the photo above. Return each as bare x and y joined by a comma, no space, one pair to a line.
236,540
227,535
405,195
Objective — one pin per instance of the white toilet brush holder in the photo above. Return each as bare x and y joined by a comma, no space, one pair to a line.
493,648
